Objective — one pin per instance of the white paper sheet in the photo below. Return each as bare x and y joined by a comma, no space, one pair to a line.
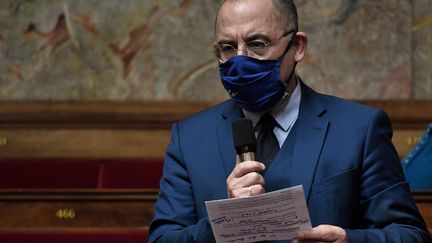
276,215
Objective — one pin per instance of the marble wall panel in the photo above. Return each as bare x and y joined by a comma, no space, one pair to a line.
422,49
358,49
134,50
107,50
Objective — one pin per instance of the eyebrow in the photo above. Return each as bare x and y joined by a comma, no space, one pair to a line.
248,39
258,36
225,41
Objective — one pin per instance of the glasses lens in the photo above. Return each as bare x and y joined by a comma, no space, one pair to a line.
257,48
226,51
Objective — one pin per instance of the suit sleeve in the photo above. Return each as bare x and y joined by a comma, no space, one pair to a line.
389,213
175,217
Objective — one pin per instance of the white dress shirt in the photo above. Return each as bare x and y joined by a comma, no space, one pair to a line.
285,115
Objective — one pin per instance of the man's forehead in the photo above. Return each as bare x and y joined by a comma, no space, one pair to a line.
247,17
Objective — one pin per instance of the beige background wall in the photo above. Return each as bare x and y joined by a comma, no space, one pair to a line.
136,50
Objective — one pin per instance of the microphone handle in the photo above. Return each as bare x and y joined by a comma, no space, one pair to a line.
247,156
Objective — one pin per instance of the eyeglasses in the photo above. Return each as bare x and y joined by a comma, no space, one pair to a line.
254,48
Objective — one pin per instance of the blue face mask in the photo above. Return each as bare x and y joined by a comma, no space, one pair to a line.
255,84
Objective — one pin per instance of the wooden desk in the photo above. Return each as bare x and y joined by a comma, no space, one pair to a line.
101,209
423,201
76,208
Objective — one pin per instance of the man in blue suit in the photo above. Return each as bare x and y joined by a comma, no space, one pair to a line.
341,152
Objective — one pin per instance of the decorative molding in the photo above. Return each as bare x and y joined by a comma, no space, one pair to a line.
161,114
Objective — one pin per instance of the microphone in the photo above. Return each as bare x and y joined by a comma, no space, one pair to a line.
244,139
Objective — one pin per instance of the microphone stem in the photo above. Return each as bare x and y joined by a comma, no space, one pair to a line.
248,156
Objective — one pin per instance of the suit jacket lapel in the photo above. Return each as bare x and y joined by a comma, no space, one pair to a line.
226,144
311,132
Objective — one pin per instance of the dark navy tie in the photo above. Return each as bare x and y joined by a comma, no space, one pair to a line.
267,143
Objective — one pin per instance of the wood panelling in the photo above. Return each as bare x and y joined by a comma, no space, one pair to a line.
93,209
139,130
86,143
143,115
423,200
117,144
74,234
405,139
405,114
76,208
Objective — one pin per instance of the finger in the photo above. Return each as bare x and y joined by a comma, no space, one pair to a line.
249,179
256,190
239,187
246,167
252,178
313,235
324,233
247,191
304,241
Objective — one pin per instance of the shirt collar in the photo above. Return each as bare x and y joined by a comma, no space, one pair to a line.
284,114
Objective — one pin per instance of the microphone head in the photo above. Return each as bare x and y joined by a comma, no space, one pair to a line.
244,136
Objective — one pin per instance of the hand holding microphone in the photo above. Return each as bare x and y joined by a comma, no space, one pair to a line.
244,139
245,180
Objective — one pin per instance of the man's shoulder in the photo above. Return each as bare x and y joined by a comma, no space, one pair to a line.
335,105
348,111
208,116
338,104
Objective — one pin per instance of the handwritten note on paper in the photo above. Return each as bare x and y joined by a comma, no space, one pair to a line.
276,215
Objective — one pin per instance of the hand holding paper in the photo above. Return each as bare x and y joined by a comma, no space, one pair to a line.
277,215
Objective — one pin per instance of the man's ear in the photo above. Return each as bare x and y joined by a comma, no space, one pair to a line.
300,45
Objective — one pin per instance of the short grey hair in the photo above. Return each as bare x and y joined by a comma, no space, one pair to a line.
286,10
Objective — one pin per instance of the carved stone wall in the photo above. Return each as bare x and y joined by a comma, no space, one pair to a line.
422,49
135,50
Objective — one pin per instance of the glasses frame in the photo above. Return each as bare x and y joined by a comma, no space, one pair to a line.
266,45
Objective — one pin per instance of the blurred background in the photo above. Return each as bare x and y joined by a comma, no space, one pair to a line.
140,50
89,90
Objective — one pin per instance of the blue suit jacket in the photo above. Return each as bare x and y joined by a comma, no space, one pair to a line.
343,157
